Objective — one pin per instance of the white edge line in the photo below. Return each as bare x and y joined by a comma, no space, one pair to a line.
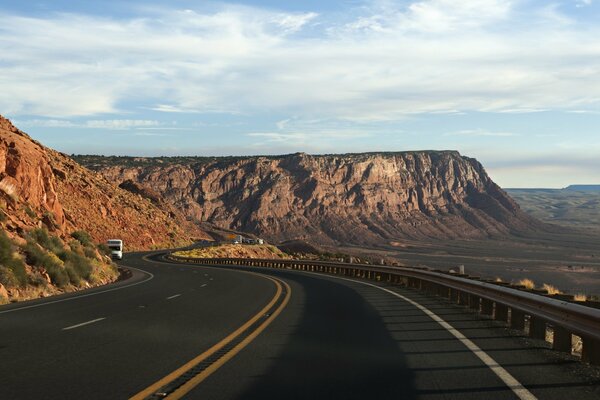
84,295
203,285
510,381
83,324
174,296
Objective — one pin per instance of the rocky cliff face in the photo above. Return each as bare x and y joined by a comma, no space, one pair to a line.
354,198
45,197
42,187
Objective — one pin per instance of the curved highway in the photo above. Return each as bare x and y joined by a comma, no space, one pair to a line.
186,331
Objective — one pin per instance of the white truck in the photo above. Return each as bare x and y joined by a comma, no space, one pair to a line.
116,248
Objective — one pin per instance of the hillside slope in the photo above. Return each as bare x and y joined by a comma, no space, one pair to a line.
53,211
369,198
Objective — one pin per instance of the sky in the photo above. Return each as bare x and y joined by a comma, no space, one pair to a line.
513,83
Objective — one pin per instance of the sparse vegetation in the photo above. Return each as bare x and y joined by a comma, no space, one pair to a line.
551,289
64,265
580,297
30,212
527,283
82,237
234,251
12,268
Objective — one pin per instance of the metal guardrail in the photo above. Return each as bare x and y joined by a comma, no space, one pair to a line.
506,304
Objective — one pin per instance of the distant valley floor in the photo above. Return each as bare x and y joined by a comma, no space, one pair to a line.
570,262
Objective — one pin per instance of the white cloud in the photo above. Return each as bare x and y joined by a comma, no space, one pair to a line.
111,124
482,133
583,3
120,123
388,62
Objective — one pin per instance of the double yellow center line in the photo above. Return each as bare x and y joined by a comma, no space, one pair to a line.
179,382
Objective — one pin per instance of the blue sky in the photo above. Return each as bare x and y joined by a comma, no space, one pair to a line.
513,83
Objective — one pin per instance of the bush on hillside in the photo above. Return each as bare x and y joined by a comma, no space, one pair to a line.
14,272
82,237
47,241
41,258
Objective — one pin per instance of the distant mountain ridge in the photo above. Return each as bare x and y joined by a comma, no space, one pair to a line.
363,198
584,188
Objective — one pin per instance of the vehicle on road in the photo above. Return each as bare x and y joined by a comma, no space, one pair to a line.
116,248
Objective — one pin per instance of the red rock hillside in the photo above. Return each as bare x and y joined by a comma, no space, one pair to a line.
47,204
366,199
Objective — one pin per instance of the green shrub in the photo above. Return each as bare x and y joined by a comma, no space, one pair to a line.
43,259
30,212
90,252
3,216
78,267
10,262
83,237
47,241
7,277
103,248
58,275
74,277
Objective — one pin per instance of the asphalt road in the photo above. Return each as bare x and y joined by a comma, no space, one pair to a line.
335,339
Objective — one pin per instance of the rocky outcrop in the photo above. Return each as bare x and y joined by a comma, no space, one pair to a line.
353,198
42,187
53,212
26,179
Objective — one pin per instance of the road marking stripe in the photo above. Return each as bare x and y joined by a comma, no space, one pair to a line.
83,324
174,296
76,297
206,284
510,381
181,391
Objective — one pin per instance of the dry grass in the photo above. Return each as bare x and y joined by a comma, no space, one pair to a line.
551,289
234,251
527,283
580,297
498,279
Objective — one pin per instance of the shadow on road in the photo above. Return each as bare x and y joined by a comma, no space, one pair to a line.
341,349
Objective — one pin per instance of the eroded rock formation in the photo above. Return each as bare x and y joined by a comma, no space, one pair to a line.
352,198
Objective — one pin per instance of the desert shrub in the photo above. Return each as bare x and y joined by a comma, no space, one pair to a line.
11,263
58,275
83,237
3,216
30,212
41,258
103,248
74,277
76,246
89,252
37,280
527,283
78,267
6,248
551,289
580,297
47,241
7,277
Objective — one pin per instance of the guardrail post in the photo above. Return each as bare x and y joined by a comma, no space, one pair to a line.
591,351
537,328
562,340
463,299
454,296
501,313
517,319
474,302
487,307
